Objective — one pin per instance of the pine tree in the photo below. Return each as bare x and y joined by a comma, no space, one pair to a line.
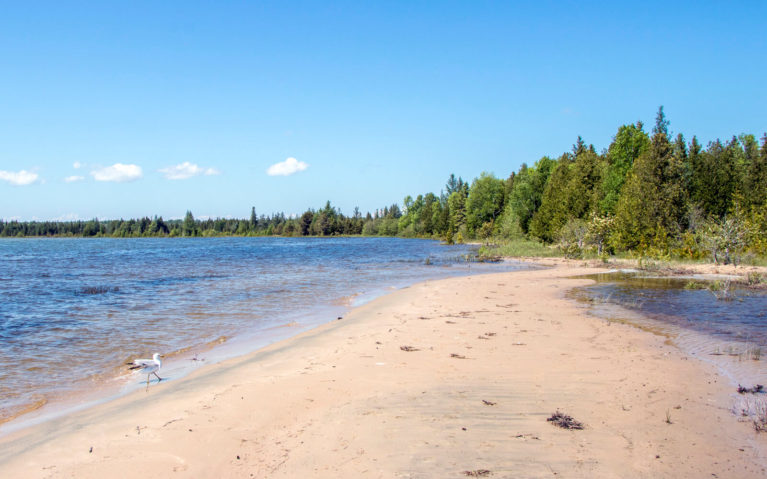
189,226
627,145
553,211
527,192
253,219
651,211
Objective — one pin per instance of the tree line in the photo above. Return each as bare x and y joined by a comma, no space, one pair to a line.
649,193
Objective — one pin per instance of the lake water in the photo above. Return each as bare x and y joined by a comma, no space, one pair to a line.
73,311
730,333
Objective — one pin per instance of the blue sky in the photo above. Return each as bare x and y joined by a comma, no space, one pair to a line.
127,109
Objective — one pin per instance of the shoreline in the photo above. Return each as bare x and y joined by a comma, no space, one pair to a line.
240,306
110,386
343,399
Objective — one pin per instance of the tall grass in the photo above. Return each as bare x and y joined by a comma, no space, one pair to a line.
519,247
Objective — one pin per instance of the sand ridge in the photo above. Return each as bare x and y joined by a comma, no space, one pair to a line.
448,378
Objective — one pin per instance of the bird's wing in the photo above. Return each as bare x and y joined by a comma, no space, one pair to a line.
142,363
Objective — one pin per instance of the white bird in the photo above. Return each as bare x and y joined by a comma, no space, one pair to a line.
148,367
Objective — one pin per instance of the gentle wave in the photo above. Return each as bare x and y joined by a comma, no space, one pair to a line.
74,310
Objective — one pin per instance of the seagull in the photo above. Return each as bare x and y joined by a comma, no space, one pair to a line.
148,366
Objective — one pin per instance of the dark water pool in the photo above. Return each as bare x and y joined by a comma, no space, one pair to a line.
739,314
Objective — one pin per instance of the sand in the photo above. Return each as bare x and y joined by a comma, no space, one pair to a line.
491,358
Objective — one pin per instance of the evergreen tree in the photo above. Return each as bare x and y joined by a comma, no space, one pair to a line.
651,210
527,192
555,204
189,227
627,145
452,185
714,182
757,178
253,219
306,222
456,203
572,192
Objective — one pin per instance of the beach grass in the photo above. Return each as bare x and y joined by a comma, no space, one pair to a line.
519,247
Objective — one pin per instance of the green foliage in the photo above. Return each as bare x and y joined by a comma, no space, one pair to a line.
651,210
725,239
755,278
598,230
518,247
554,209
572,238
527,192
629,143
485,201
572,192
189,226
715,179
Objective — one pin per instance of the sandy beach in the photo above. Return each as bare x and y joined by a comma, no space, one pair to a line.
448,378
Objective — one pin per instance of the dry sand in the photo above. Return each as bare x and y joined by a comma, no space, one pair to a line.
494,356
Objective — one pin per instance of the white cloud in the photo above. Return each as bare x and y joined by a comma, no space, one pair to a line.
68,217
186,170
77,165
118,172
73,179
19,178
288,167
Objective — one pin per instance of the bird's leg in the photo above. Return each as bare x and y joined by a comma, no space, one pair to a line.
147,381
158,377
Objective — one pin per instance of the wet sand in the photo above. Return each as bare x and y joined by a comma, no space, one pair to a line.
446,378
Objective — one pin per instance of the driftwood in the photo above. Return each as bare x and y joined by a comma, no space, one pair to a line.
488,403
457,356
564,421
409,348
477,473
754,390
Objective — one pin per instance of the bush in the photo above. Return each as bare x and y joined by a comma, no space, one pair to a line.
725,239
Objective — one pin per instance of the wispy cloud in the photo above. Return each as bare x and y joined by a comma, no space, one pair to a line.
186,170
118,172
73,179
77,165
285,168
19,178
68,217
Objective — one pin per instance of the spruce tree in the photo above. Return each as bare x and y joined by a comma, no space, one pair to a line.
651,211
253,219
627,145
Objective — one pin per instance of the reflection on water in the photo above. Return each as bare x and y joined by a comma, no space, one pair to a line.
742,318
72,311
732,332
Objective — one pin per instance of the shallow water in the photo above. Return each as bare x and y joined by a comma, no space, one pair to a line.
72,311
730,333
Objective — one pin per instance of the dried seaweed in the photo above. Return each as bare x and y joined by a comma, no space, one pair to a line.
477,473
564,421
754,390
